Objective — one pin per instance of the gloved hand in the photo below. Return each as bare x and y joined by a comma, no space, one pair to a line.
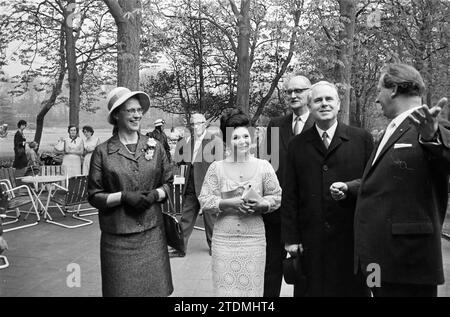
136,200
152,196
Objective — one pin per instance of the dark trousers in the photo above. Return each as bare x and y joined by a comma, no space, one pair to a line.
275,254
404,290
191,208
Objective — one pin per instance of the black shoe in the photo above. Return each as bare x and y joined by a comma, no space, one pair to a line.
210,252
177,254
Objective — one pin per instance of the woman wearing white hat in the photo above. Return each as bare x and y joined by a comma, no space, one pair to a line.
130,175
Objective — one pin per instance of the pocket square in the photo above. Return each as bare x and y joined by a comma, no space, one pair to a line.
402,145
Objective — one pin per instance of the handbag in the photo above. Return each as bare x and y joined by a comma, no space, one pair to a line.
172,227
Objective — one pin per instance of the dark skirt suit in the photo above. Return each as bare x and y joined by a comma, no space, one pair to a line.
133,248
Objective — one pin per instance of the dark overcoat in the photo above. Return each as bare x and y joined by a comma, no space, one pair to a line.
311,217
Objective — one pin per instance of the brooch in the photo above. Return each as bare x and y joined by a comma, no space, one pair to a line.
149,149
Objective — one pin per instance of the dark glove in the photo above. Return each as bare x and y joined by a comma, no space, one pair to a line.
135,199
152,197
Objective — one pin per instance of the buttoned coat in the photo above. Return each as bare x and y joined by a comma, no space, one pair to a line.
285,135
114,169
311,217
401,207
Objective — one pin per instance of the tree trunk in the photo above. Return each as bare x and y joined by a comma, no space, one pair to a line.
56,90
282,70
347,9
243,85
127,16
74,78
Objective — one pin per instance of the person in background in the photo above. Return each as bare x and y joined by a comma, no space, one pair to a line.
296,90
73,149
239,241
34,162
130,176
20,156
191,153
4,130
158,134
90,143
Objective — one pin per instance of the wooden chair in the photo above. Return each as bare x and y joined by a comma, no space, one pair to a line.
74,195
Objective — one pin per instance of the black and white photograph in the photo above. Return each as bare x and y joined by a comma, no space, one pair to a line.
226,154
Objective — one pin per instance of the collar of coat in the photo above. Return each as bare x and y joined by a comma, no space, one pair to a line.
114,145
340,136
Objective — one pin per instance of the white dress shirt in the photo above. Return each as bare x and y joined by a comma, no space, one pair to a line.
393,125
301,121
330,132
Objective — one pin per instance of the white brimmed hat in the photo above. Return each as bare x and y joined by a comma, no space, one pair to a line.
159,122
119,95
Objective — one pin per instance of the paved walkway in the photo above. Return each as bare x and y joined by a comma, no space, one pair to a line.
41,255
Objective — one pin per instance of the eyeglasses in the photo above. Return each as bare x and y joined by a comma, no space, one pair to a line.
297,91
134,111
197,123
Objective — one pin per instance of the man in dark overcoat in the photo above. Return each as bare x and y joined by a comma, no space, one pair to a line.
312,223
280,131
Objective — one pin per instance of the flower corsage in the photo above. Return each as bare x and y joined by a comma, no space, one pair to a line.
149,149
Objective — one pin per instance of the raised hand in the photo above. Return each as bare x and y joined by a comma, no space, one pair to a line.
426,120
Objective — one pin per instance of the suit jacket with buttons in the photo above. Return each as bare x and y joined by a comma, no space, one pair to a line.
285,135
311,217
401,207
114,169
211,150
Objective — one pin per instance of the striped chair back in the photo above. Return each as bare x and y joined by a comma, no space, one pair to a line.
77,193
53,170
9,173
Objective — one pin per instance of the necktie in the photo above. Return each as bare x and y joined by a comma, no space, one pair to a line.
297,125
389,130
73,141
325,140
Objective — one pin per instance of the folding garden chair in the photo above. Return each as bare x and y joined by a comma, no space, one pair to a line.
10,201
74,195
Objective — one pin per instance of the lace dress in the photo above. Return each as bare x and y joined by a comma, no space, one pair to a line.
238,242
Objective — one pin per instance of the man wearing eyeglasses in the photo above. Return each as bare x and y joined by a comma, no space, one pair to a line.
296,91
194,153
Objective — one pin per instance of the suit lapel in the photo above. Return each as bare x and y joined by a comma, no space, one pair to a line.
286,130
402,129
309,123
339,135
312,136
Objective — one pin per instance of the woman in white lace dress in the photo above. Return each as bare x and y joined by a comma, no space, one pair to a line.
238,242
89,146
